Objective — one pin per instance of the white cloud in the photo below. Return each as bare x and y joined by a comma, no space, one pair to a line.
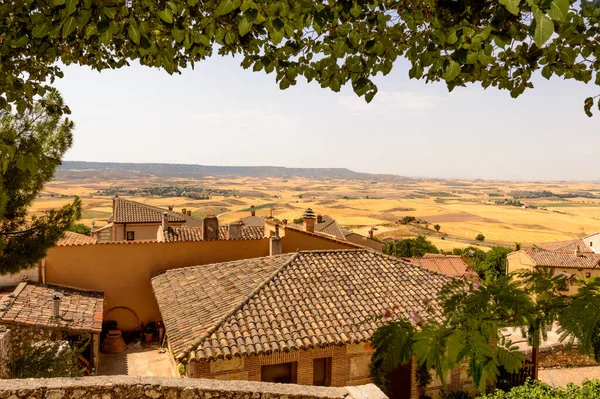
389,102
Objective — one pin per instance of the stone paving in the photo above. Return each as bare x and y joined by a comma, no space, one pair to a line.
137,360
561,377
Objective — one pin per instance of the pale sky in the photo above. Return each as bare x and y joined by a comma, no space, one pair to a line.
221,114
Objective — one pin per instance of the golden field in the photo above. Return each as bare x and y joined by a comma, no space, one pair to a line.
463,208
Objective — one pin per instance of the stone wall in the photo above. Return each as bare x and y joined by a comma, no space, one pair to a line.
5,335
559,356
129,387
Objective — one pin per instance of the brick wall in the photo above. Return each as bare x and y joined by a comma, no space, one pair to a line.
349,365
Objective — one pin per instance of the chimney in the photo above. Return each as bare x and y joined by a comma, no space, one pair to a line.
234,231
189,213
319,219
183,210
56,297
114,200
210,228
252,212
578,252
371,232
284,221
165,222
171,208
275,244
309,220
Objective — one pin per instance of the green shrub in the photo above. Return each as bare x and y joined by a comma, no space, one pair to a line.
480,237
539,390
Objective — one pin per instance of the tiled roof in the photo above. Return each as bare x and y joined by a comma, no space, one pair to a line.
322,236
289,302
32,304
134,212
587,260
450,265
253,221
329,226
184,234
564,246
71,238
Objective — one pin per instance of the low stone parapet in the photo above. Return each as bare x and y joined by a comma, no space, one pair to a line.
129,387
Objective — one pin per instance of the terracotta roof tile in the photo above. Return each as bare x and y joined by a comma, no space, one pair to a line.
71,238
33,305
134,212
253,221
450,265
587,260
288,302
564,246
184,234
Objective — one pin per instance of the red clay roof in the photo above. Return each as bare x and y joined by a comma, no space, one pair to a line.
564,246
587,260
32,305
134,212
289,302
184,234
450,265
71,238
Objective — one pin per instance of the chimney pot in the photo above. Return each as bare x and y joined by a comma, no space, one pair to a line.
234,231
210,228
371,234
183,210
189,213
253,212
284,221
578,252
319,219
171,207
275,246
56,298
165,222
308,219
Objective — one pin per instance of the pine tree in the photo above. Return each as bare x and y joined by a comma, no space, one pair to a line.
31,147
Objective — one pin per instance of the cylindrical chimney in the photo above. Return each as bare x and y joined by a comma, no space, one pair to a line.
56,297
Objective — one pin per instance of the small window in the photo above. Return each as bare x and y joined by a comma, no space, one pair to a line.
130,235
591,244
283,373
322,372
588,275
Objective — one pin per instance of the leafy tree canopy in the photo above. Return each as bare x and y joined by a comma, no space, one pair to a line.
410,247
466,327
493,43
80,228
31,146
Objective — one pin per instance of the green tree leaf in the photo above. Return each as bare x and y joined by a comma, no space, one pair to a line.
71,6
110,12
452,71
40,30
544,27
511,5
166,15
244,26
69,26
587,106
559,9
227,6
134,33
20,42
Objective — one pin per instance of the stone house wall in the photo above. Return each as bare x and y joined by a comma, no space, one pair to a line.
5,335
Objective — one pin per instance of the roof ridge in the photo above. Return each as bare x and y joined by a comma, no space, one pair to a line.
209,332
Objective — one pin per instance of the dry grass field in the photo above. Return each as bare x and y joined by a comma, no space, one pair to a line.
462,208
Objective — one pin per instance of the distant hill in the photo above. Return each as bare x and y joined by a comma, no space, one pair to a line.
190,171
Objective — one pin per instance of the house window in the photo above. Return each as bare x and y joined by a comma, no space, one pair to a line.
588,275
130,235
591,245
322,372
282,373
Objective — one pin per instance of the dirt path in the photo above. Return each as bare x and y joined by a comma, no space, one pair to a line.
561,377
